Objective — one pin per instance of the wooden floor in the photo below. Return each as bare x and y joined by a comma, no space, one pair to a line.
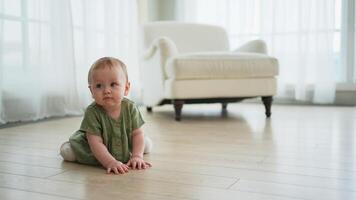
302,152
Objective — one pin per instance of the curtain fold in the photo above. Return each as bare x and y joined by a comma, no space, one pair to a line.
47,47
299,33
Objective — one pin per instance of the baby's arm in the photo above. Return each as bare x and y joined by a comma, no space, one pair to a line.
105,158
138,145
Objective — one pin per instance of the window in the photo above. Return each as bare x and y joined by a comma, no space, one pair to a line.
47,47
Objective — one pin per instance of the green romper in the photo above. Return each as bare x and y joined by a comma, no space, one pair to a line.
116,134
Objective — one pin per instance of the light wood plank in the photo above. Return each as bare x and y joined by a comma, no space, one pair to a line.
260,175
110,186
13,194
287,190
27,170
154,175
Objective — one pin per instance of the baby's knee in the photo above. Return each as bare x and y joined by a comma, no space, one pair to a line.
67,152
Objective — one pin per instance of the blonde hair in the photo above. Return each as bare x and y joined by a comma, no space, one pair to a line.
106,62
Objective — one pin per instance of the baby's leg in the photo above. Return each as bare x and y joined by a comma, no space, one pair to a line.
66,152
148,145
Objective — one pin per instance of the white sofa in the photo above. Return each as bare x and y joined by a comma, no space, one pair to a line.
192,63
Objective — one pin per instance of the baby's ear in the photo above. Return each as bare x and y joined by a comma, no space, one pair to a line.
127,88
91,92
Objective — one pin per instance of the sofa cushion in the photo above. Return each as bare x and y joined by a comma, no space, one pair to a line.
220,65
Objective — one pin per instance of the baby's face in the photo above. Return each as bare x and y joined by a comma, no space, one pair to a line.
109,86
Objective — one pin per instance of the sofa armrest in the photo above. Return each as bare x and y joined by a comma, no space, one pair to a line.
153,74
164,45
254,46
150,52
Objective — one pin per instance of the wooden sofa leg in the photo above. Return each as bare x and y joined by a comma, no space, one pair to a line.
178,105
149,109
224,108
267,101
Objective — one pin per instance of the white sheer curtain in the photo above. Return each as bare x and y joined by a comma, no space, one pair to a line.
47,47
300,33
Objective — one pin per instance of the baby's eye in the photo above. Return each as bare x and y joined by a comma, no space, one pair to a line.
98,86
114,84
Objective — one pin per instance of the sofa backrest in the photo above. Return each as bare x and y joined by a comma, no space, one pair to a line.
188,37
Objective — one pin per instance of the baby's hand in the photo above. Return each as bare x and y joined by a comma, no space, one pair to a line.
137,162
117,167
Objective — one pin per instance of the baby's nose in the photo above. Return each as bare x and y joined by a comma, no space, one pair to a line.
107,90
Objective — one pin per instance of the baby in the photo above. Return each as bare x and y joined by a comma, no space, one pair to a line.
110,133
